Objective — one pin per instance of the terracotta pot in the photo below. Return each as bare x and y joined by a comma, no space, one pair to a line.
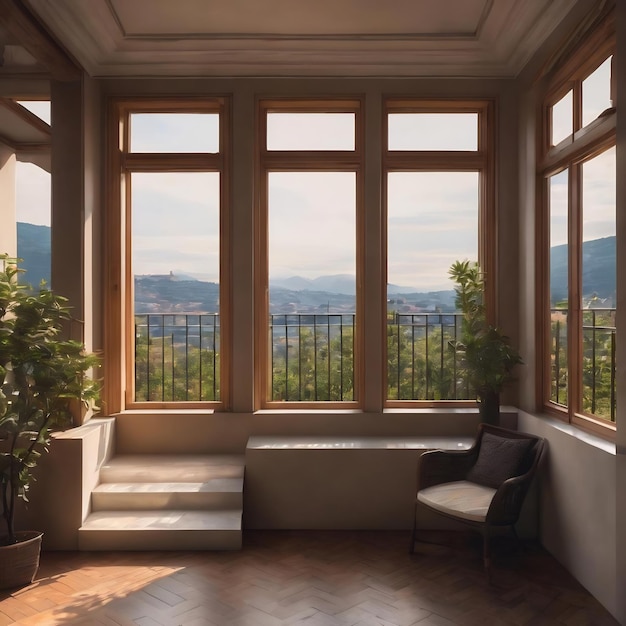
19,561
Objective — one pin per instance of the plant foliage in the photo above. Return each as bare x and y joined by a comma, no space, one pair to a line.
41,374
487,356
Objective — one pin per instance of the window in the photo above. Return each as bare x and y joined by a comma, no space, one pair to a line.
309,219
33,216
171,229
579,244
439,191
33,198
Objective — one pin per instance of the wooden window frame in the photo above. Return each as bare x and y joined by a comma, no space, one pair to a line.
118,392
570,154
301,161
482,161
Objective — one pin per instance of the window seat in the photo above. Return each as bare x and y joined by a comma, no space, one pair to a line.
335,482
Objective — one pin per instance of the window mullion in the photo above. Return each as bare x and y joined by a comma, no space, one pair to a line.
574,290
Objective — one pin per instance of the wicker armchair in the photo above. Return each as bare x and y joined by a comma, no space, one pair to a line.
484,486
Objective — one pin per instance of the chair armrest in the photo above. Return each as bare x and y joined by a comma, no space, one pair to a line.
507,502
443,466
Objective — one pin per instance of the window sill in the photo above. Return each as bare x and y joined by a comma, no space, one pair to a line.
577,433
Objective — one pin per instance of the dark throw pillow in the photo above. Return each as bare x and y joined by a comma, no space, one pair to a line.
498,459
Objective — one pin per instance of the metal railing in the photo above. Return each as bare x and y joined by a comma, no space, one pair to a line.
598,361
312,358
420,363
177,357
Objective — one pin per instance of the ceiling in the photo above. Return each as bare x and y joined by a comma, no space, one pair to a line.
490,38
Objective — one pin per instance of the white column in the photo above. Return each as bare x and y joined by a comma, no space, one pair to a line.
8,228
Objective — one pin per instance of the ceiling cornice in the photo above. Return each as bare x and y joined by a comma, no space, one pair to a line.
498,43
22,27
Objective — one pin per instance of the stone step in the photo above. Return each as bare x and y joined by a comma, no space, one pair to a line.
217,493
171,468
161,530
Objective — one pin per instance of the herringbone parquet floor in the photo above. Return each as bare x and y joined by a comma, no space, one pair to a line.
311,578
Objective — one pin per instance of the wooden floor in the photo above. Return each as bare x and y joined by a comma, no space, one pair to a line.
311,578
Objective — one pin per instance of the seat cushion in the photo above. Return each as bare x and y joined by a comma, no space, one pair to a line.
499,458
461,498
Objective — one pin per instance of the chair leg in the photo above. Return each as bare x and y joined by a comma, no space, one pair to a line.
518,543
413,531
487,554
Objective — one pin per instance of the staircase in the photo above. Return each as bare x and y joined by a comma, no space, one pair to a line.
166,502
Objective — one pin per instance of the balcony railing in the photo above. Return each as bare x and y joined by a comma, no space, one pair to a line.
598,361
312,358
420,363
177,357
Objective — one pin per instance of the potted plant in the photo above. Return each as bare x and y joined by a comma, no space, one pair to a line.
41,375
487,358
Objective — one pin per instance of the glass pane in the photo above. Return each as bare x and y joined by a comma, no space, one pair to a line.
597,92
40,108
310,131
312,285
433,131
174,132
175,264
562,118
432,222
32,213
559,263
599,286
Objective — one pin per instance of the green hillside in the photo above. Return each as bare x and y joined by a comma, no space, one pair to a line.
598,270
33,247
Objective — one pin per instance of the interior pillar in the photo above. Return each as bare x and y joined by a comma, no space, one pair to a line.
241,254
8,227
76,196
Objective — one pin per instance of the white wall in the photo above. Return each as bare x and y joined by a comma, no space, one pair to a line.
583,497
578,504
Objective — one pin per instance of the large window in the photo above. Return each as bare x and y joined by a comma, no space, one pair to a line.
309,218
579,246
172,238
439,191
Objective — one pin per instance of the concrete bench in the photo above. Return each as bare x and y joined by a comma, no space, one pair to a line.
335,482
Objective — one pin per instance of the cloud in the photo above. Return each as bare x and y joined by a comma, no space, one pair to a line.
312,223
32,194
432,221
174,132
175,223
433,131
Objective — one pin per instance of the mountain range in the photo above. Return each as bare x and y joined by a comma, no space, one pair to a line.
331,293
33,247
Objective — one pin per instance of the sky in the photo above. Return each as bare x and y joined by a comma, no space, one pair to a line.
432,216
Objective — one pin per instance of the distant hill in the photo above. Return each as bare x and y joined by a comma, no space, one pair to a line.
336,283
169,294
598,270
333,293
33,247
